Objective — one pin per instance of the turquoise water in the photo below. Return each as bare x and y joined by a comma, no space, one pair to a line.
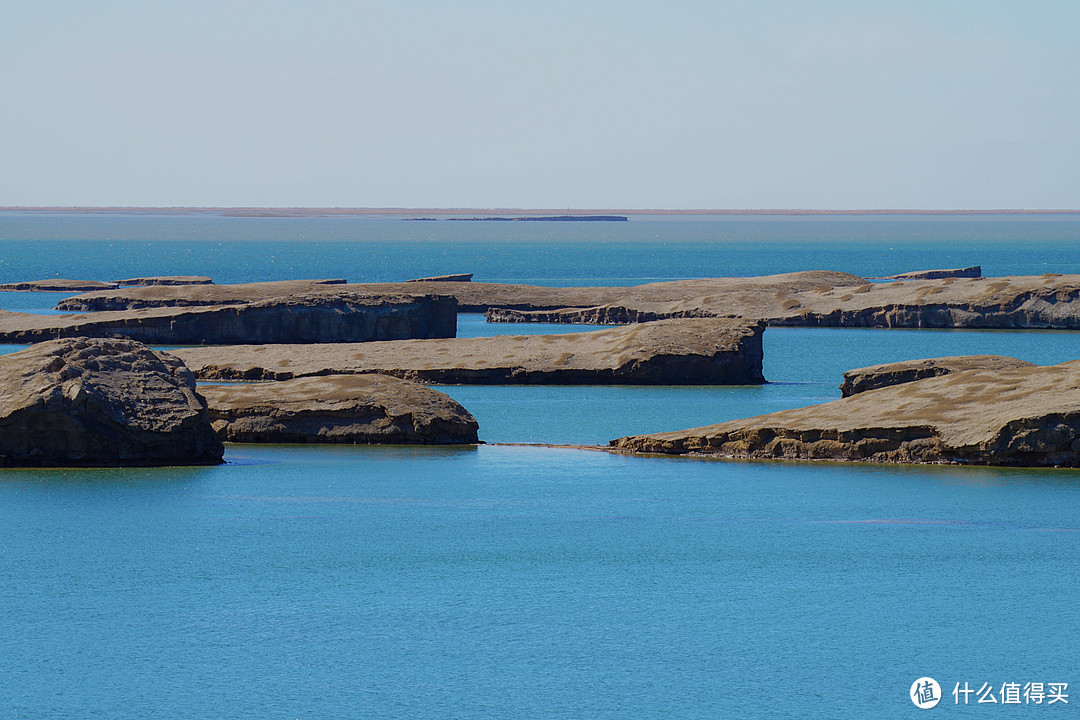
804,366
532,582
35,246
32,302
510,582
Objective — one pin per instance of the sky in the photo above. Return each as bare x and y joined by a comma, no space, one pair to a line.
951,104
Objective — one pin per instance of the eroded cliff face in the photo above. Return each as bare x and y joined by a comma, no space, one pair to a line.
599,315
297,318
1019,416
93,402
1003,305
969,272
166,280
877,376
1043,302
477,296
670,352
814,298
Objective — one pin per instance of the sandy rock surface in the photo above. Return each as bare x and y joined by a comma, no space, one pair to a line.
1018,416
813,298
670,352
129,298
57,285
1044,301
476,296
875,376
167,280
338,409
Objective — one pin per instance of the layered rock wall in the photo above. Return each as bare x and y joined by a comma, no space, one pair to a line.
458,277
877,376
670,352
814,299
969,272
478,297
1044,302
600,315
1020,416
300,318
167,280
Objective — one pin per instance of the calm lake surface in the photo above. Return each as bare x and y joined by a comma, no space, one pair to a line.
533,582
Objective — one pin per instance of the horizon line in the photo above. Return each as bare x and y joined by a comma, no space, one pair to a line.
254,210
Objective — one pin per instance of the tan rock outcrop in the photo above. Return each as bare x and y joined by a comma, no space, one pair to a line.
297,318
886,374
969,272
670,352
599,315
57,285
458,277
1046,301
357,409
1020,416
478,297
813,299
167,280
92,402
151,296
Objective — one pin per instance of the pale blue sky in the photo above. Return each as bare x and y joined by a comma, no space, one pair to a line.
824,104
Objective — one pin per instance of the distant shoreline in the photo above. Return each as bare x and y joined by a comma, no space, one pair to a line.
532,218
502,212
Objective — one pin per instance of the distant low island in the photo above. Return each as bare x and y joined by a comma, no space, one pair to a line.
542,218
510,213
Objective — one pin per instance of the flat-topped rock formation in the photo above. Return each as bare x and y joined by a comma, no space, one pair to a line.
297,318
91,402
357,409
1042,301
813,299
599,315
886,374
56,285
1046,301
460,277
670,352
1019,416
969,272
478,297
149,296
167,280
